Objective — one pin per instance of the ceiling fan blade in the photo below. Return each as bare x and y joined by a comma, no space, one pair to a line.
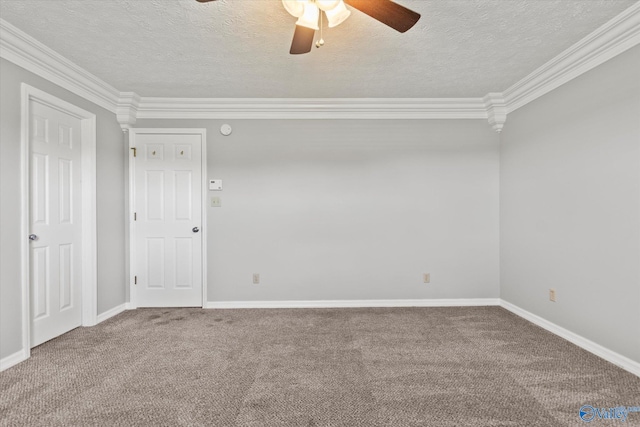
302,40
389,13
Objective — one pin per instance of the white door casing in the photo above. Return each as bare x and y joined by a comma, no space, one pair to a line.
59,206
167,217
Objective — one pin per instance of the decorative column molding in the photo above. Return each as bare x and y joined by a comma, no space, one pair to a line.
496,110
127,110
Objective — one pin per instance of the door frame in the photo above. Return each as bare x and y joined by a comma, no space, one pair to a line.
89,306
133,132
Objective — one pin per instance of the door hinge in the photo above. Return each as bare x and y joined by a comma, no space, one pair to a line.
135,216
134,151
135,280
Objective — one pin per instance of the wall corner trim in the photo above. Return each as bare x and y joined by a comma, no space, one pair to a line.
600,351
453,302
609,40
496,110
23,50
111,312
127,110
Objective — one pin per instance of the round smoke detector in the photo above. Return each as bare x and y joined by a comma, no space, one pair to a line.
225,129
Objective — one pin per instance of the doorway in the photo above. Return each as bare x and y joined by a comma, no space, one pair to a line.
58,181
167,218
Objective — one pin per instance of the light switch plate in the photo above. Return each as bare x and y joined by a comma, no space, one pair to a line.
215,185
216,202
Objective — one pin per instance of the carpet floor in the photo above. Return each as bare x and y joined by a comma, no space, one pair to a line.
459,366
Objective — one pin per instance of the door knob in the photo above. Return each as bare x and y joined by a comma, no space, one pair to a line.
33,237
195,229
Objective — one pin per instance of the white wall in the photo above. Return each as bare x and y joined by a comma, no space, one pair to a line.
110,202
570,205
348,209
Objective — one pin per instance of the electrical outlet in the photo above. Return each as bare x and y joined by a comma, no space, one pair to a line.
256,278
552,295
426,277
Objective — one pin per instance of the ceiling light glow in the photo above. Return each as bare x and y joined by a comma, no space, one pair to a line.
308,11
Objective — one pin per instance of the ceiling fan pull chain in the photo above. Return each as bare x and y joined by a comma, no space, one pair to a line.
321,41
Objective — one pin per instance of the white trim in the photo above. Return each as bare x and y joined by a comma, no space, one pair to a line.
25,225
132,304
13,359
89,219
611,39
311,108
496,110
89,238
600,351
204,230
127,110
25,51
111,312
461,302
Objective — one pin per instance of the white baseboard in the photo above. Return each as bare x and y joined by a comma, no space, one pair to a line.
600,351
22,355
110,313
13,359
462,302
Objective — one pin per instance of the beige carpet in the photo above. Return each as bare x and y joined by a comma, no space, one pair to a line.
473,366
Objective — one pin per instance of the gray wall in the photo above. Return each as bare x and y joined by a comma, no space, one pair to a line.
570,205
110,202
348,209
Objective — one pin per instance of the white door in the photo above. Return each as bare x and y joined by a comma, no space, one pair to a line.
55,222
167,188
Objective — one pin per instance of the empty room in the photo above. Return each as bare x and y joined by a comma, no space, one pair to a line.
319,213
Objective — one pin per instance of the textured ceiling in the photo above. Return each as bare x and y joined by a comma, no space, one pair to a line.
239,48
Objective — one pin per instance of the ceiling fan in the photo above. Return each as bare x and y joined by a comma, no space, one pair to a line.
307,11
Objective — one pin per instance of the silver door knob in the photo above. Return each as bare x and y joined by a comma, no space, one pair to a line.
33,237
195,229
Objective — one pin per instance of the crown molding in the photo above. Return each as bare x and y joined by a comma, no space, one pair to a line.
25,51
496,110
311,108
613,38
127,110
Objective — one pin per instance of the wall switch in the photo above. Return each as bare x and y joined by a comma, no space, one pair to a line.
426,277
216,202
552,295
256,278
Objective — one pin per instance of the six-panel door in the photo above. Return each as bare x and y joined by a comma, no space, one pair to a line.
168,241
55,222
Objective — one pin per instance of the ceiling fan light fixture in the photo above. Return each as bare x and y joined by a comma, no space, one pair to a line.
309,17
327,4
294,7
338,14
